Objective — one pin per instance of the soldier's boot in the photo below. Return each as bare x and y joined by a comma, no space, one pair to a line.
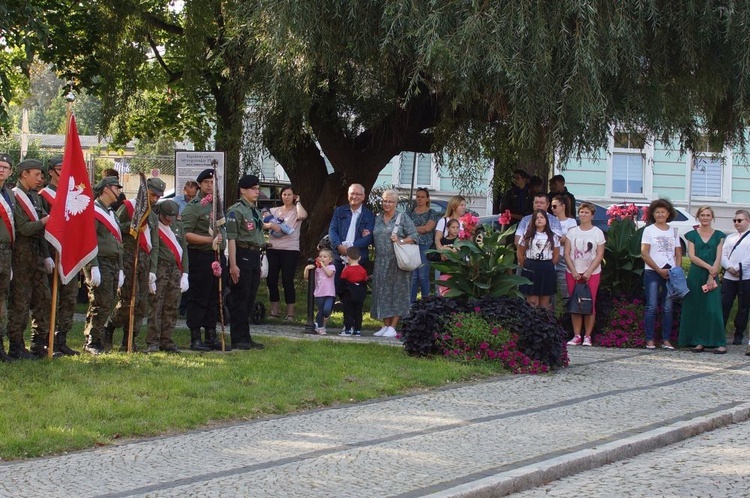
124,346
107,333
93,346
18,351
61,346
213,341
40,347
4,357
195,341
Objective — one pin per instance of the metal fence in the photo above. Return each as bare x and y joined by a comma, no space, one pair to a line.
128,168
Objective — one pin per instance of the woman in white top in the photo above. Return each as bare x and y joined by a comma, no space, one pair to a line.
284,254
660,250
584,251
455,210
561,208
538,253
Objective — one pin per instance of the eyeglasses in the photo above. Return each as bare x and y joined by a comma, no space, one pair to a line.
555,206
738,220
2,167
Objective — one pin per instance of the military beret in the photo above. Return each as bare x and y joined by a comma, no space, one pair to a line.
5,158
54,161
169,208
157,185
107,181
30,164
248,181
205,174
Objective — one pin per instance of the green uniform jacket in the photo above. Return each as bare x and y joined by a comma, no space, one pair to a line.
244,223
128,241
165,254
109,246
25,226
196,218
4,233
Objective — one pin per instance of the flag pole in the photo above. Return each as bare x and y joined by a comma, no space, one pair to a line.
53,304
131,314
217,253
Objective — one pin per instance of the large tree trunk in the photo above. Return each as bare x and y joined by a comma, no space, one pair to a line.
229,113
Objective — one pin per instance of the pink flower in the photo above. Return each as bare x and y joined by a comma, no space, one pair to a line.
206,201
216,267
504,219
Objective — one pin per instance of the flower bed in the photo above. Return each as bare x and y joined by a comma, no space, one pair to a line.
622,325
504,329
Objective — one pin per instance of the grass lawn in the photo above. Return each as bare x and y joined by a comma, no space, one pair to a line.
76,403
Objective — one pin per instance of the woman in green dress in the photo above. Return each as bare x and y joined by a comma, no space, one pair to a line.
702,322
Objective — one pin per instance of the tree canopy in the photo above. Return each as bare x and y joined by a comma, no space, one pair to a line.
362,81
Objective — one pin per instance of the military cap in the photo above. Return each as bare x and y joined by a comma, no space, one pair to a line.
157,185
54,161
5,158
107,181
169,208
248,181
30,164
205,174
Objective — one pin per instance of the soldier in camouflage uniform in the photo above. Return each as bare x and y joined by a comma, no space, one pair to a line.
245,234
67,293
32,261
203,299
104,275
171,279
147,244
7,236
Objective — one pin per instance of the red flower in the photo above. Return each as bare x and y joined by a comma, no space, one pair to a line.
505,219
216,267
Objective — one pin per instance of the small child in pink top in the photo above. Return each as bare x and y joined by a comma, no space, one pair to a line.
325,287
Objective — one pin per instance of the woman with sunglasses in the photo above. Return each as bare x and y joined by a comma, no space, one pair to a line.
561,208
424,218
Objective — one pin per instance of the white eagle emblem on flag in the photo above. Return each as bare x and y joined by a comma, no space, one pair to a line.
77,201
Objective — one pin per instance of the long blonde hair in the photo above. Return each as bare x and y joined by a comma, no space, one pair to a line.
453,204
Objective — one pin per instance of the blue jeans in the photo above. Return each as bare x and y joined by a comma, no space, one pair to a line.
654,284
325,305
420,278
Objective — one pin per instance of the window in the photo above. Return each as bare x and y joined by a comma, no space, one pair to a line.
628,162
424,169
706,169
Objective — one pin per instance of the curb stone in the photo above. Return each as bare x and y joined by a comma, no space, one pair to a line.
541,473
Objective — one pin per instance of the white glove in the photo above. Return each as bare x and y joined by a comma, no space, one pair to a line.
120,279
96,276
152,278
184,285
49,265
152,288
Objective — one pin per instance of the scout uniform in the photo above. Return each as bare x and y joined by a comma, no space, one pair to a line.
203,299
31,263
245,227
7,236
108,262
171,279
148,244
66,293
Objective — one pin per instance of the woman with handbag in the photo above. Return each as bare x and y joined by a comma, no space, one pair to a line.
425,219
584,251
702,322
391,285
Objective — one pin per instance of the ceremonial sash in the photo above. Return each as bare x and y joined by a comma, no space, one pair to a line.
49,195
166,235
144,239
103,217
6,213
26,204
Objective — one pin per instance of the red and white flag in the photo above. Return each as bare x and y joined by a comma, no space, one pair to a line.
71,228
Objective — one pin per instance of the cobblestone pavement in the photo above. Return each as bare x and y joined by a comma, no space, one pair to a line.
715,463
488,438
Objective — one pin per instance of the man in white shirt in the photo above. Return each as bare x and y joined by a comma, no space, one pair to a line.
735,259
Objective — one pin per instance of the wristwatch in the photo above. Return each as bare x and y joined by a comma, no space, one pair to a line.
400,241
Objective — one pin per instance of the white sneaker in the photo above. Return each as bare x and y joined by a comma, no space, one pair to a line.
345,333
390,332
380,332
587,341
